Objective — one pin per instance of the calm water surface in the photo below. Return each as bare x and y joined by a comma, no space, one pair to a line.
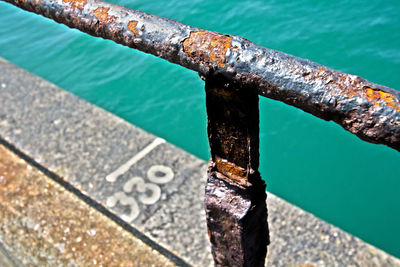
309,162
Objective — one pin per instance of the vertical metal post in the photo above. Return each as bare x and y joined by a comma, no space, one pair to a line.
235,194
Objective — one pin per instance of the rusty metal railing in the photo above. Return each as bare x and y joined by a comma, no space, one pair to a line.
236,71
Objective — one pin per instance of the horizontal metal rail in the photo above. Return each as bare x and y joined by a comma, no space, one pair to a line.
368,110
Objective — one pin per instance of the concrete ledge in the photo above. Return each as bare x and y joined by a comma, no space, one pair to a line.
45,225
146,183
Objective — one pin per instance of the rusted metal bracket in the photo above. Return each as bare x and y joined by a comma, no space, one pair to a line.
235,194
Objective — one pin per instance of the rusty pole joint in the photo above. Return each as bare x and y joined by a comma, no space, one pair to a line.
235,194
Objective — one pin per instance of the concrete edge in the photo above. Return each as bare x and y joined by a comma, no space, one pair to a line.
96,205
11,141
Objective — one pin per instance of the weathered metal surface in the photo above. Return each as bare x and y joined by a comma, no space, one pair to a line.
370,111
237,222
207,47
233,129
235,194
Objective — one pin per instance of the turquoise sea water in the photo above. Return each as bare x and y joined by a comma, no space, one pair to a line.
309,162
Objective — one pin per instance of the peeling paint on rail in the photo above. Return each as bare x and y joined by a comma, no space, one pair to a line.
378,96
132,26
79,4
208,47
101,13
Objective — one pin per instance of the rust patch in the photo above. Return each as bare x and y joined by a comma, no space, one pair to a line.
132,26
378,96
234,173
351,86
101,13
222,92
347,87
79,4
207,47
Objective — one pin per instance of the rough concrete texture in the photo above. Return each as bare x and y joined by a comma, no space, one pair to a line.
84,144
299,238
42,224
153,186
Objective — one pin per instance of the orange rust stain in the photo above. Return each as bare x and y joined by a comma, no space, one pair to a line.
207,47
132,26
221,92
79,4
101,13
378,96
234,173
351,86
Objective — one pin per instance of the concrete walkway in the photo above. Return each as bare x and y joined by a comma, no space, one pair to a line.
152,189
45,225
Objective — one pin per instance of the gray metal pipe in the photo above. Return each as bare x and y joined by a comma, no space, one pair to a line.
368,110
